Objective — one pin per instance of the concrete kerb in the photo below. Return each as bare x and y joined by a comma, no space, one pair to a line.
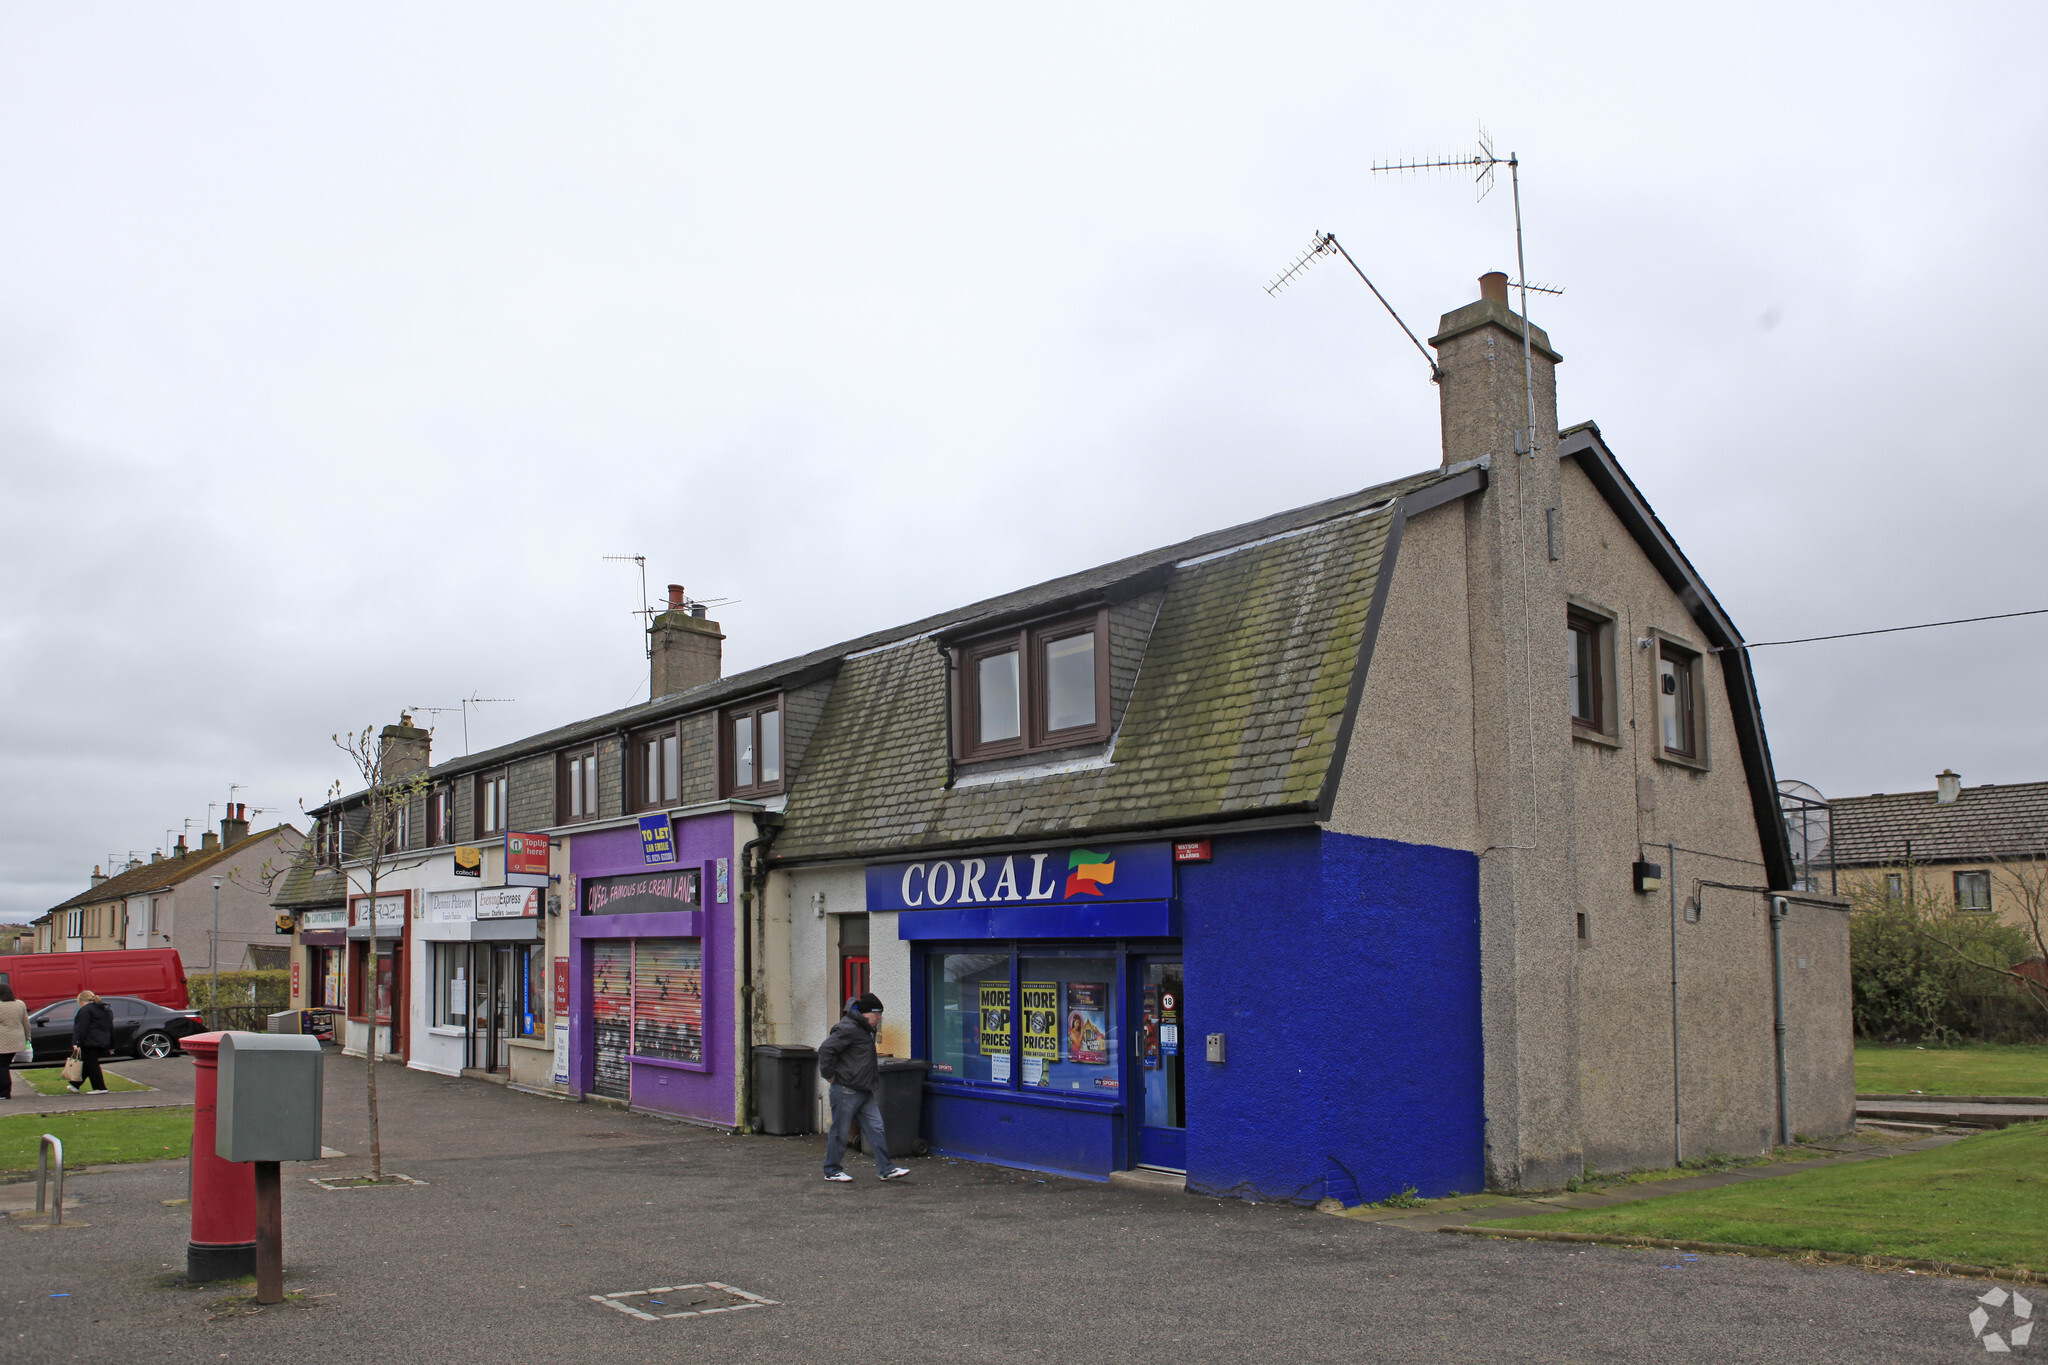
1869,1262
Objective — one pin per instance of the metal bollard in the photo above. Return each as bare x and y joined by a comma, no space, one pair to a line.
43,1149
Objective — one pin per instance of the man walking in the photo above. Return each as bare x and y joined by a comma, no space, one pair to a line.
847,1059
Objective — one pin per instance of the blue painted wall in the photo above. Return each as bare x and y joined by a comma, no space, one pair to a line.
1344,974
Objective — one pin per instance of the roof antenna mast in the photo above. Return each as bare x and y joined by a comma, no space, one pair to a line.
646,612
1325,244
1482,162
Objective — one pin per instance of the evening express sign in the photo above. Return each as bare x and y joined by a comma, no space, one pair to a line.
1080,875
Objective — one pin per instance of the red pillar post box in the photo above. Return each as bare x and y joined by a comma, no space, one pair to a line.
223,1245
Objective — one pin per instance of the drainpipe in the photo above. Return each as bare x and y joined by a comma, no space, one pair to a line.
1677,1129
770,822
1779,908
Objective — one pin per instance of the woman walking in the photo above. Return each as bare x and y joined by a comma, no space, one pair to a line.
13,1038
92,1029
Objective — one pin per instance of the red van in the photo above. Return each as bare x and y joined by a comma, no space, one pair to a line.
39,979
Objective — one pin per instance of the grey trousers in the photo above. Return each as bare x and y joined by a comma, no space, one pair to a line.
848,1106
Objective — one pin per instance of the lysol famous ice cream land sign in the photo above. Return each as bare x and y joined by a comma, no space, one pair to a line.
1077,875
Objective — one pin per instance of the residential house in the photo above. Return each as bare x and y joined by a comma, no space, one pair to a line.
169,902
1980,849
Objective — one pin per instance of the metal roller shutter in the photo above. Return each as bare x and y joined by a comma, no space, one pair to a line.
668,999
611,1013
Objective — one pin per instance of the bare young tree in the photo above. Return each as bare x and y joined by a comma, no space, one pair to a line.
366,835
2025,884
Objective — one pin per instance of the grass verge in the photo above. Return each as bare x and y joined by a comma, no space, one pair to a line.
49,1080
102,1139
1982,1201
1970,1069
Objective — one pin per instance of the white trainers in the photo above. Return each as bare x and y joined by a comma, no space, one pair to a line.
837,1175
895,1171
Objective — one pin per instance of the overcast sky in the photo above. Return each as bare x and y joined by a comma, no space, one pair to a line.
337,345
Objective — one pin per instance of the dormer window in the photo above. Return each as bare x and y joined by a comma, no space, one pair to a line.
1037,687
753,749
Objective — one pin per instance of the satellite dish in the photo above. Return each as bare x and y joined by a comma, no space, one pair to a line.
1809,825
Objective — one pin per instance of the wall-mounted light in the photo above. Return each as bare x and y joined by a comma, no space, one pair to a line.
1649,877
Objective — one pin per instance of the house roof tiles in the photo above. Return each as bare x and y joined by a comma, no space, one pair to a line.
1982,823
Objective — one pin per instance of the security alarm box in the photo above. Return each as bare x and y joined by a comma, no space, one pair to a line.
268,1104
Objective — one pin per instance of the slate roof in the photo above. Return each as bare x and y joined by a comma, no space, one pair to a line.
158,876
1982,823
1237,711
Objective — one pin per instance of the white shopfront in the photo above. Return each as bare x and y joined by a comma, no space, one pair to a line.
481,989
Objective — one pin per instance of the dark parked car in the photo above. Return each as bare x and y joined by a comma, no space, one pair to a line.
142,1028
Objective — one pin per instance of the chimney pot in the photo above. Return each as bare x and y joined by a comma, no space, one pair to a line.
1948,788
1494,285
675,597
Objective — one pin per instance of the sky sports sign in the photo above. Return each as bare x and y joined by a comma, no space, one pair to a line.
1082,874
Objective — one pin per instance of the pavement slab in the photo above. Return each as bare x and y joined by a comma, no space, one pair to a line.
533,1209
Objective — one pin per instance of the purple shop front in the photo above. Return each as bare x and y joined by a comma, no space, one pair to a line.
651,956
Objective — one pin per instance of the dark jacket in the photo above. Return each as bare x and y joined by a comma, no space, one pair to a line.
847,1055
93,1026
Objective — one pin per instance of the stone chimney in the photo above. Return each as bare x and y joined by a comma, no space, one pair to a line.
208,841
1948,788
235,827
684,649
156,855
98,876
1479,360
403,749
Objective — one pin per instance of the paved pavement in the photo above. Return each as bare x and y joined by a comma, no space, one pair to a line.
532,1205
1966,1111
170,1080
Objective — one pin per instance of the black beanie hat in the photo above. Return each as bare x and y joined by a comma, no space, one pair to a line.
868,1003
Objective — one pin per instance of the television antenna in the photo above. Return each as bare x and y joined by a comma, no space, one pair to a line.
646,612
463,706
1324,244
1484,162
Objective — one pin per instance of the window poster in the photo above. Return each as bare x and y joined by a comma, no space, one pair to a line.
1148,1046
1041,1026
1169,1021
1087,1023
995,1022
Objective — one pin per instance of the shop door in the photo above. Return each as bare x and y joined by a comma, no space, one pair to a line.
490,1016
611,1016
1161,1065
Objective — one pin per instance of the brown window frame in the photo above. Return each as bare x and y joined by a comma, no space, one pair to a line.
1029,642
501,779
728,754
440,813
636,766
1687,669
1590,649
576,790
1957,889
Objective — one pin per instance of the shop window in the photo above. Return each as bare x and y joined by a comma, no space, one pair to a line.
657,758
1074,1049
668,999
1038,687
529,1014
577,786
323,978
1678,702
967,1014
490,804
1973,890
450,1008
753,749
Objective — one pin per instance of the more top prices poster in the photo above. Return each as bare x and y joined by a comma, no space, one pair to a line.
995,1020
1041,1020
1087,1022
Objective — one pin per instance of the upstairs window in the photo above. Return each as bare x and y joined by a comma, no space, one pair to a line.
1973,890
490,804
440,829
753,749
1037,687
1677,701
1586,670
578,786
398,815
657,758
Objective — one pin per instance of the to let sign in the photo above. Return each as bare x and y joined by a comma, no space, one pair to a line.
657,839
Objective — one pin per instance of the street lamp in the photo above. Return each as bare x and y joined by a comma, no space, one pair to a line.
215,953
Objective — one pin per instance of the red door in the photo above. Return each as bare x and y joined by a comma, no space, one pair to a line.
853,977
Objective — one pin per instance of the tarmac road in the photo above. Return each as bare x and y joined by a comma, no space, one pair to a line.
532,1205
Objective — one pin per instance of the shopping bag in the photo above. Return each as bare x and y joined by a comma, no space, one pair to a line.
74,1067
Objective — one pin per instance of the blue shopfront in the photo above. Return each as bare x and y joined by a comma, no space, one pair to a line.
1287,1015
